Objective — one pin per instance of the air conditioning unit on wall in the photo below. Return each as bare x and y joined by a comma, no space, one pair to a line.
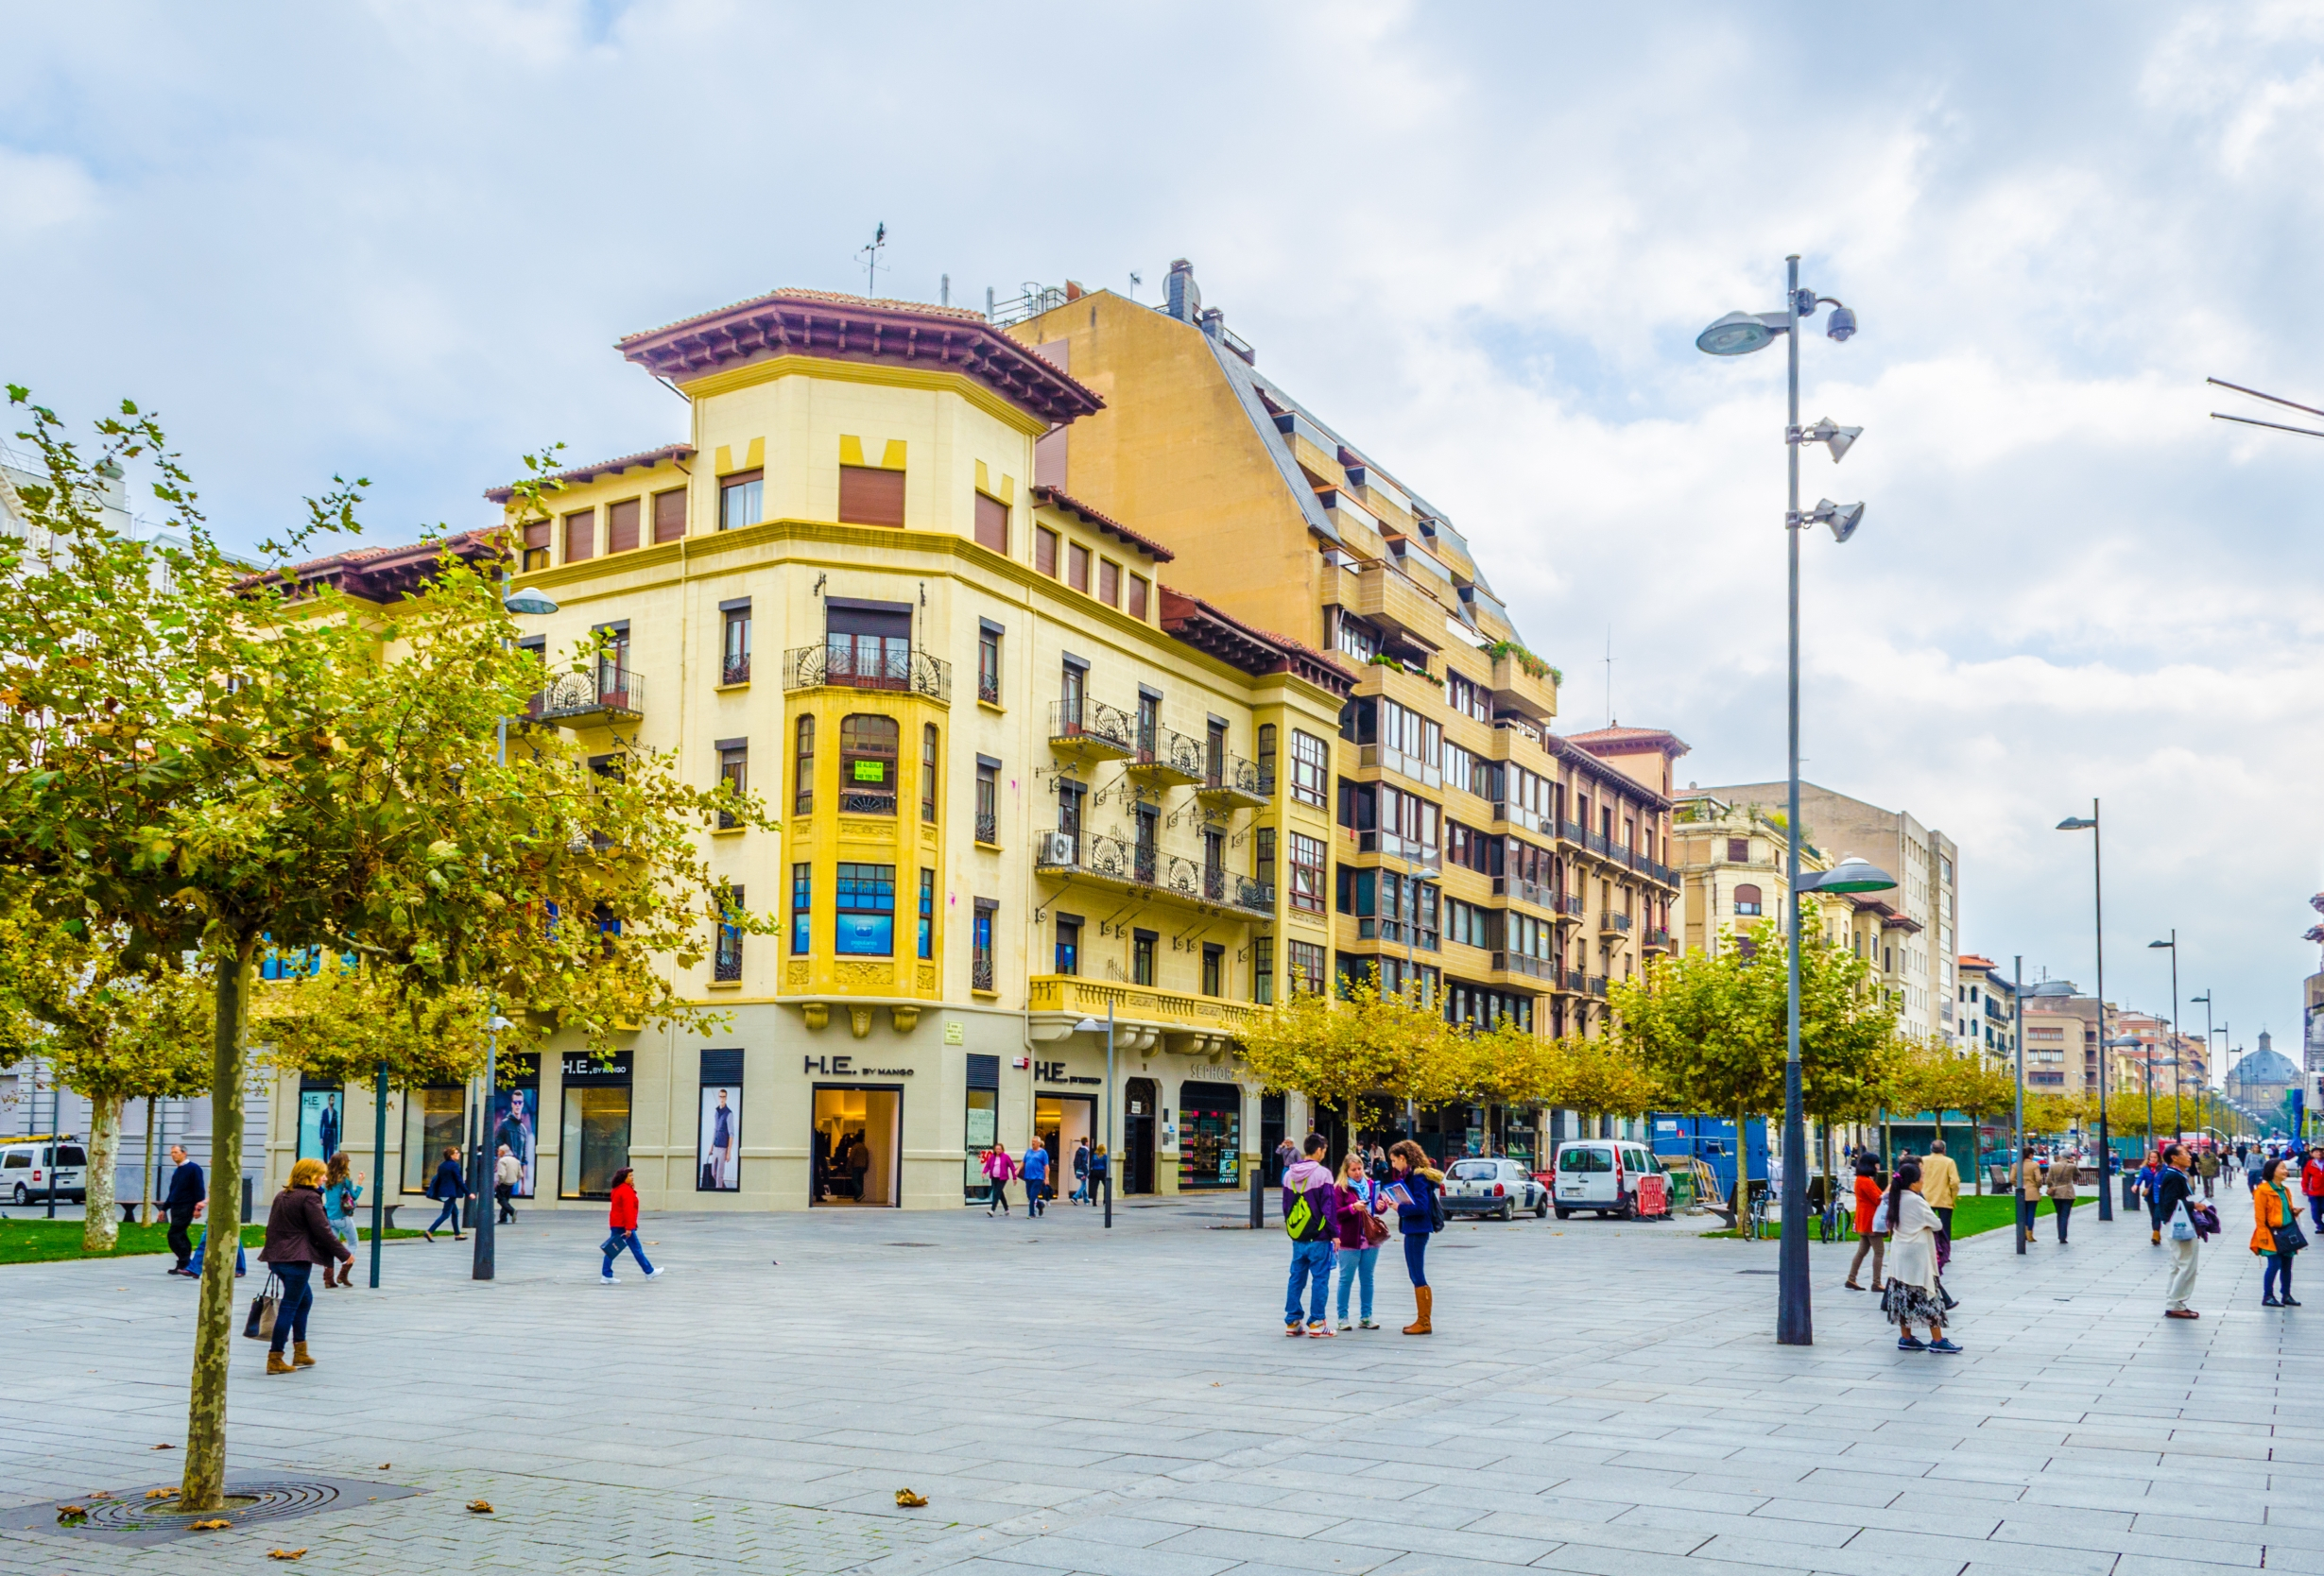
1056,848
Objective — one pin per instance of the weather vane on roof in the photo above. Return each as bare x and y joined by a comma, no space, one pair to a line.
870,257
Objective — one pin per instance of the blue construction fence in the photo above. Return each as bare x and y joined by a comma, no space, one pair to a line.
1673,1135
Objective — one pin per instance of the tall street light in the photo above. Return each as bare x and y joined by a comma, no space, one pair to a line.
2097,887
2202,1091
2177,1122
1740,334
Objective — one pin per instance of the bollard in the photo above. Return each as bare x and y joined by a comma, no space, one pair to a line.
1107,1185
1258,1199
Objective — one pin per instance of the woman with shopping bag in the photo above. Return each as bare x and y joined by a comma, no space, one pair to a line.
299,1237
2275,1235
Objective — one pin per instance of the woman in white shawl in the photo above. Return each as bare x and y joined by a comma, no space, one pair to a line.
1913,1295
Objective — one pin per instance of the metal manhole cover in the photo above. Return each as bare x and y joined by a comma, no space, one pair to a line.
126,1516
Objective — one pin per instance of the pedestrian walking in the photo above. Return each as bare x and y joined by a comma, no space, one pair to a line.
1379,1163
2312,1184
299,1237
2029,1184
1081,1172
1034,1168
621,1218
2062,1182
1101,1167
201,1249
2254,1168
1419,1216
507,1176
1357,1248
1940,1184
1869,1238
2175,1193
2275,1235
186,1200
2150,1187
449,1187
1914,1294
2207,1167
999,1169
1311,1219
341,1189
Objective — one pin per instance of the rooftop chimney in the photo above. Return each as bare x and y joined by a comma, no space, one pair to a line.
1182,298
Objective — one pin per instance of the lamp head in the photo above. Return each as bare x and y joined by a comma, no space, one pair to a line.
1852,874
2076,823
1738,334
529,604
1838,439
1843,323
1842,518
498,1025
2171,944
1089,1026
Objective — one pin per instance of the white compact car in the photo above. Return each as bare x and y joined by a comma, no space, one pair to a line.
1496,1188
1602,1174
25,1167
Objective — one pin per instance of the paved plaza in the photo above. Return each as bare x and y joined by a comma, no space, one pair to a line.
1598,1399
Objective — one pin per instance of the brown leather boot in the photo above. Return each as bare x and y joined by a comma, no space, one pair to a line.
1425,1297
275,1363
299,1358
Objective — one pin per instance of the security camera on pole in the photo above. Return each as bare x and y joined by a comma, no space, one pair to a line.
1740,334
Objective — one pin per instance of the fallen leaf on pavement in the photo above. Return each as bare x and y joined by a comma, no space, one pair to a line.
68,1512
286,1553
160,1493
482,1507
165,1446
909,1500
211,1526
386,1466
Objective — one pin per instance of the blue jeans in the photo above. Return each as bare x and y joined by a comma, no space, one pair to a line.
297,1297
2275,1279
1416,1257
242,1262
448,1215
1355,1265
614,1243
1311,1265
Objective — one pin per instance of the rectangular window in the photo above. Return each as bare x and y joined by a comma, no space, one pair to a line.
988,666
865,908
1068,945
927,913
803,906
870,496
734,639
621,525
1142,957
988,804
1262,970
727,966
927,773
1305,959
536,544
1266,760
733,773
1357,640
1213,968
1078,566
738,499
1306,862
1311,769
992,523
580,534
1264,855
1046,550
802,776
1109,582
869,748
1137,596
670,514
980,945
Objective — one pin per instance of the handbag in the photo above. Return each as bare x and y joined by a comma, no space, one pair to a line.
2290,1239
1880,1219
260,1325
2183,1225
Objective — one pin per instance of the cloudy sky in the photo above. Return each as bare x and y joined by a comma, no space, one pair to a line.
398,240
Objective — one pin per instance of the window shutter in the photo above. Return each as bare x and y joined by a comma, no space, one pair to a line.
992,523
580,536
670,514
621,525
870,496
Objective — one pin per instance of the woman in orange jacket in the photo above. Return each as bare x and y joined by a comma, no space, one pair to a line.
2271,1206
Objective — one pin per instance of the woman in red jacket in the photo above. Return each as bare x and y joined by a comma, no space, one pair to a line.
621,1217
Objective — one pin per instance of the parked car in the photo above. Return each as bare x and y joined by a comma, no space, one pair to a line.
1495,1188
24,1172
1603,1175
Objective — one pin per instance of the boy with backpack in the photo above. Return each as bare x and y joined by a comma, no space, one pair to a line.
1311,1219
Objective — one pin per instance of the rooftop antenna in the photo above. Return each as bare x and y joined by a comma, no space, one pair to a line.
2271,398
1610,676
1136,279
944,290
871,256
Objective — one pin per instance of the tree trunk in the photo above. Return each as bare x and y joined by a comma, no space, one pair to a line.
1743,1166
204,1488
145,1186
100,1230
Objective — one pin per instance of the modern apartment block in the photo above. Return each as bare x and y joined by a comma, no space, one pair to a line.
1917,957
1499,867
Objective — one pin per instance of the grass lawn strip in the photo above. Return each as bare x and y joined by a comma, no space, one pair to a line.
42,1241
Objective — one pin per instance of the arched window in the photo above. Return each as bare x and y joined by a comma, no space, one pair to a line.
868,765
1747,900
802,796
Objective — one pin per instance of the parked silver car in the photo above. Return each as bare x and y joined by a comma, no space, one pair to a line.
1496,1188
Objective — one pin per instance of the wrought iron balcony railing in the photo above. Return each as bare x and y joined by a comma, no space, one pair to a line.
734,670
1166,755
849,667
727,964
601,690
980,975
1091,728
987,828
1231,779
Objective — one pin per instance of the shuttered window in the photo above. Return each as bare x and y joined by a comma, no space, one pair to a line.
1045,550
536,544
670,514
580,536
992,523
621,525
870,496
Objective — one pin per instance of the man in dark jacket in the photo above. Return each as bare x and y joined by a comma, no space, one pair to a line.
187,1198
450,1190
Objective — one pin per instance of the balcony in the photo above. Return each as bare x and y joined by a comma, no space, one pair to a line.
1391,845
601,692
1518,815
844,667
1611,923
1519,690
1388,596
1567,908
1656,940
1533,892
1654,872
1518,962
1125,866
1232,782
1413,768
1598,985
1143,1016
1572,833
1091,730
1166,758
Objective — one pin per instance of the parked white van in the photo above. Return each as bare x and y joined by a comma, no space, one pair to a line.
25,1167
1602,1174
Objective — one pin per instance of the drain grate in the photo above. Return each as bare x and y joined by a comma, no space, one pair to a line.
126,1516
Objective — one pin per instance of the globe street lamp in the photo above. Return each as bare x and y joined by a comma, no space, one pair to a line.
2105,1142
1740,334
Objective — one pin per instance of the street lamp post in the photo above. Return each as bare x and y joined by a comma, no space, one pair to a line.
1740,334
2017,1157
1091,1025
2097,888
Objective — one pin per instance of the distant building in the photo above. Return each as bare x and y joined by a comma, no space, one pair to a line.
1984,1009
2259,1082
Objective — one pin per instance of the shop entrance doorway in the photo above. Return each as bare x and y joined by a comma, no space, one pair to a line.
1136,1174
858,1141
1059,1123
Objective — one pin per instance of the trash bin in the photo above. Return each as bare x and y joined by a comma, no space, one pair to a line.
2131,1189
